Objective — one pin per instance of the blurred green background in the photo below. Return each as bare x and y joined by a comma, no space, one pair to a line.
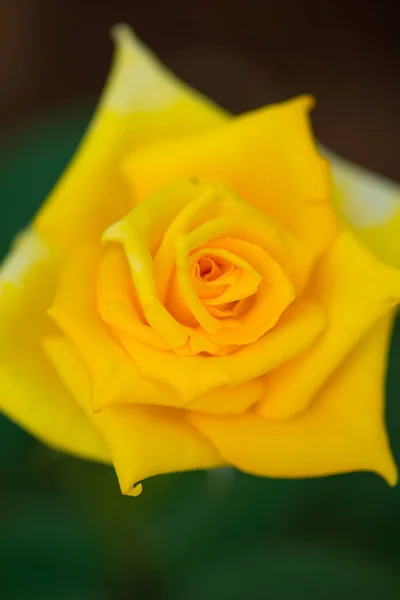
66,533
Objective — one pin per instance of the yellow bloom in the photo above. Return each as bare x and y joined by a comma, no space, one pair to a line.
193,294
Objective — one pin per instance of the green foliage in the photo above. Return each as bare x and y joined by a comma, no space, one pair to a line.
68,534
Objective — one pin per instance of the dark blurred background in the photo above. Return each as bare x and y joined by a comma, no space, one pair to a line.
54,52
66,533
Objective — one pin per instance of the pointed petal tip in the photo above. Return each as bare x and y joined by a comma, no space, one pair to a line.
310,101
120,31
391,475
387,468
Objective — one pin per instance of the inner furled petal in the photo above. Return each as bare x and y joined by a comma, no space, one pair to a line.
243,286
274,293
234,310
117,300
210,268
270,288
140,233
148,235
119,308
189,302
230,278
213,201
217,211
242,228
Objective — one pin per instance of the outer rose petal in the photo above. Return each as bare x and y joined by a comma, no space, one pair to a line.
142,103
114,377
31,391
267,157
357,290
342,431
143,440
371,204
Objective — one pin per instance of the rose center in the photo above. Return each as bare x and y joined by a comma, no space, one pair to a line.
210,268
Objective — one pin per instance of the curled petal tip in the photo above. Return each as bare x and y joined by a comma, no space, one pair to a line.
136,490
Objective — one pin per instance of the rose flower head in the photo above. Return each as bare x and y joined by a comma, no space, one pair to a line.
202,290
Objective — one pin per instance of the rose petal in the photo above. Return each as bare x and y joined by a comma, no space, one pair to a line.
267,157
142,103
31,391
140,233
275,293
216,212
371,205
194,377
113,375
117,301
343,431
143,440
356,290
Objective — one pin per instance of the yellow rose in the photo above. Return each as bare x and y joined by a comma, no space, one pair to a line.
189,297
